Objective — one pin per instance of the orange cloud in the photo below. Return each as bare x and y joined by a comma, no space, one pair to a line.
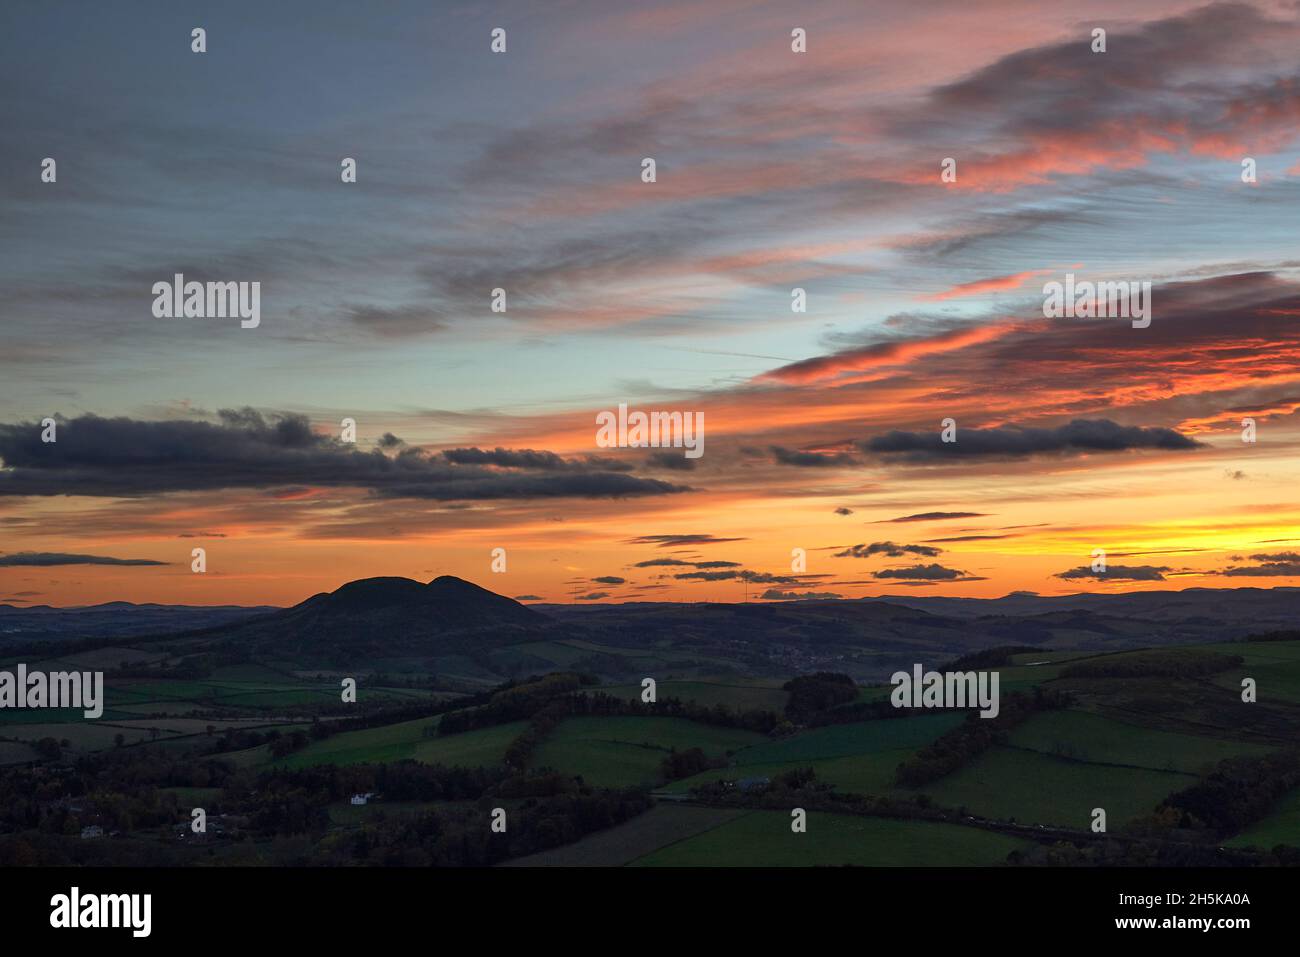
995,284
884,354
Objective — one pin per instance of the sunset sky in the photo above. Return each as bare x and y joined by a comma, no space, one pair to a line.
775,170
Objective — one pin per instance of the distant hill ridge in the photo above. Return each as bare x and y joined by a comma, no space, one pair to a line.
454,628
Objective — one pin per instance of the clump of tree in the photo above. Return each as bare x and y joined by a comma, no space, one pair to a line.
515,701
684,764
520,751
812,694
796,779
1237,793
284,744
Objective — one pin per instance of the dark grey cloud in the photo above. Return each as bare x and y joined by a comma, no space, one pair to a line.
784,456
757,578
1287,565
675,541
936,516
775,594
609,580
593,596
665,562
708,576
529,598
126,457
1133,573
843,511
931,572
667,460
888,548
48,559
532,459
1078,437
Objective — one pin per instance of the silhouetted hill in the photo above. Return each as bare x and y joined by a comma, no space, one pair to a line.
374,619
445,603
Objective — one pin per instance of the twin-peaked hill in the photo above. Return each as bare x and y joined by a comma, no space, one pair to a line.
444,604
385,619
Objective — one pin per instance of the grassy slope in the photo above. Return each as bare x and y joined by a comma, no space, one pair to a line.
1041,789
406,739
1282,826
622,751
764,839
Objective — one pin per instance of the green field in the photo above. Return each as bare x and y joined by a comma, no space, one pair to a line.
856,774
739,696
482,748
1258,651
394,742
250,696
662,825
764,839
1277,677
625,751
1282,826
1082,736
1032,787
82,735
861,757
861,737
